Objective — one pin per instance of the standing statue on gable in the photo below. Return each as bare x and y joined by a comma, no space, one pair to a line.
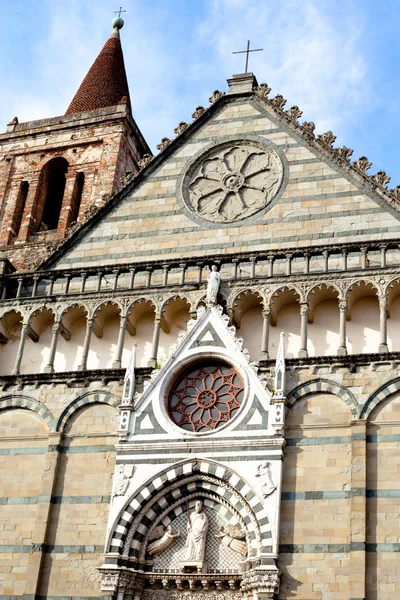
213,282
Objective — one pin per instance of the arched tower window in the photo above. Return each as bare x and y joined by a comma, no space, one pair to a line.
19,207
76,198
50,194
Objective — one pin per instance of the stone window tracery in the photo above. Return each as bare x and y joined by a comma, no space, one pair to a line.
205,396
232,181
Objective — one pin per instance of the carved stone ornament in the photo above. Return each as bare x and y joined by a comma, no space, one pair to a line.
145,160
263,90
327,138
182,126
308,127
294,112
362,163
123,476
264,473
261,582
381,178
200,110
395,192
233,182
163,144
216,95
279,101
189,595
344,152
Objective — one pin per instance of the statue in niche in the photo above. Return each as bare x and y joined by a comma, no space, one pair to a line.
213,281
264,473
196,534
232,537
162,543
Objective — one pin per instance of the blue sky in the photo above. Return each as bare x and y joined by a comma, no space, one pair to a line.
338,60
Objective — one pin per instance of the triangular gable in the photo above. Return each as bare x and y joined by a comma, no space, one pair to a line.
323,198
151,418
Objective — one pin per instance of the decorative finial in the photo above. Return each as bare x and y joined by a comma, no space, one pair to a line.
118,22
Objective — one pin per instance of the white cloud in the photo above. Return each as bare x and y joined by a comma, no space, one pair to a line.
311,56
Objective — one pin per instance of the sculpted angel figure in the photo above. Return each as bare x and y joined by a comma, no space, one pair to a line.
264,473
213,281
163,542
196,533
233,538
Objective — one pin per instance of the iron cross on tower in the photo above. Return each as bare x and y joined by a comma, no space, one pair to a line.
120,11
247,52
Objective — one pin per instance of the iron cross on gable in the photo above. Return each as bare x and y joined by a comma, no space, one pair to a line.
120,11
247,52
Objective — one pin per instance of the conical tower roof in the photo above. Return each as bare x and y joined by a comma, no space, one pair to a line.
106,83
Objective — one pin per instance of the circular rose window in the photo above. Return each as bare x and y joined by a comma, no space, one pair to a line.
232,181
205,396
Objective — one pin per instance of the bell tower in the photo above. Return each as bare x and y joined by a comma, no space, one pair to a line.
55,172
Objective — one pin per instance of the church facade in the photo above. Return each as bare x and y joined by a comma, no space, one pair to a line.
200,395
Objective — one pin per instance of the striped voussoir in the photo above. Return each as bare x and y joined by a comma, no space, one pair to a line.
326,386
95,397
378,396
10,402
213,482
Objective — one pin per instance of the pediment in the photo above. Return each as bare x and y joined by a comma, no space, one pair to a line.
208,340
315,196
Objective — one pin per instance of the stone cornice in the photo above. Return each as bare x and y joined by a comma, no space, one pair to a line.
84,378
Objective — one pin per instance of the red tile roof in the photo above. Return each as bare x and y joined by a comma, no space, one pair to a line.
106,83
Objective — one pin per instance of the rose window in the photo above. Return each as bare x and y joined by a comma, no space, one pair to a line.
205,397
233,182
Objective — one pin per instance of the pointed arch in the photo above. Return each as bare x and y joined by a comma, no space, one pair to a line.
94,397
9,402
325,386
379,395
162,499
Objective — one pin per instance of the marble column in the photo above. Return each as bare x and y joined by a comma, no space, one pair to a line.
156,341
265,335
86,345
303,352
50,365
342,350
20,352
383,346
120,344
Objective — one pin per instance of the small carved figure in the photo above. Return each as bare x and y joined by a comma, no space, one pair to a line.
214,279
122,477
196,533
232,537
264,472
162,543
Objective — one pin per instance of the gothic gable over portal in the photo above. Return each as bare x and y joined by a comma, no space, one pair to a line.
197,485
244,176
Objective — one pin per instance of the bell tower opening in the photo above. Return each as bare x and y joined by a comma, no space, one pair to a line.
51,193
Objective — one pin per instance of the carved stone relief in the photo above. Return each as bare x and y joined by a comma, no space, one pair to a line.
233,181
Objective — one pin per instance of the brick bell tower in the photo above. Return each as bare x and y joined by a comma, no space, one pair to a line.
54,172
